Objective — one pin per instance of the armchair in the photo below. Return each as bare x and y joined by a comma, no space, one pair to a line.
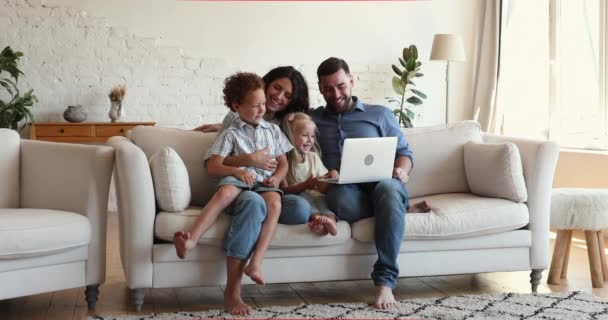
53,206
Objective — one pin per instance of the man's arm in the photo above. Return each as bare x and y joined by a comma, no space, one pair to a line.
403,167
259,159
278,176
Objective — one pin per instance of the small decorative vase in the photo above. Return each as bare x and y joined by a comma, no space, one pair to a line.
74,114
115,111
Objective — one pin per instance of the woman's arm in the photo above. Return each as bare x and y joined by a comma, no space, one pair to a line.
212,127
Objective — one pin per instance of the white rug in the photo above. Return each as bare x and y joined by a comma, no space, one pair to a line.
575,305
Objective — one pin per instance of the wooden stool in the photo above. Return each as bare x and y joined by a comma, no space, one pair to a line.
579,209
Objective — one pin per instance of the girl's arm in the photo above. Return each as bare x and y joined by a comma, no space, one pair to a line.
299,187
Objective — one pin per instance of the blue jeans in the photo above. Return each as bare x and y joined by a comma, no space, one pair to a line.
248,213
387,200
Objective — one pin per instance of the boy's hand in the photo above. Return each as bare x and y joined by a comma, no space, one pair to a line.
260,159
245,176
272,182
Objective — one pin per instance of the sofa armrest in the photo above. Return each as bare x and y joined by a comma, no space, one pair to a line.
74,178
539,159
136,210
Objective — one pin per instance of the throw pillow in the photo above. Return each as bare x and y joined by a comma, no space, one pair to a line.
495,170
171,182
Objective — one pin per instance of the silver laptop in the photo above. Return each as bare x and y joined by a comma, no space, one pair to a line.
366,160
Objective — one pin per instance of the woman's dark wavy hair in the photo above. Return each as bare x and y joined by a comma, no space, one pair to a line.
299,97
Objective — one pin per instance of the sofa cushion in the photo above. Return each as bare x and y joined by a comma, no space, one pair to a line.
191,146
170,177
495,170
439,157
456,215
167,223
28,233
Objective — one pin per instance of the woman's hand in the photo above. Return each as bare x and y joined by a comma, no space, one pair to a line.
333,174
245,176
213,127
260,159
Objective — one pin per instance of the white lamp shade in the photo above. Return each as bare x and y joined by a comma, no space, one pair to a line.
447,47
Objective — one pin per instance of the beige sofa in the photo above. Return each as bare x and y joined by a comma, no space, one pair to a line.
53,205
471,234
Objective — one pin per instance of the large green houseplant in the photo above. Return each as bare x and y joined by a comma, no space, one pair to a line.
16,108
411,69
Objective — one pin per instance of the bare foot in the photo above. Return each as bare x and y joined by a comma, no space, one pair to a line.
420,207
384,298
254,272
328,223
235,305
317,228
183,242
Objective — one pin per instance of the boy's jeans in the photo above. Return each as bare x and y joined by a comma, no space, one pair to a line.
387,200
249,212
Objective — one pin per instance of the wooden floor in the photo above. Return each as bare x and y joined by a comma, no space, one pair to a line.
114,296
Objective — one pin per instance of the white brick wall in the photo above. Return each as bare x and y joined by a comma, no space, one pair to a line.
71,57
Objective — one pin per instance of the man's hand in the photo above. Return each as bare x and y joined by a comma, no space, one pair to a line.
245,176
401,174
272,182
214,127
260,159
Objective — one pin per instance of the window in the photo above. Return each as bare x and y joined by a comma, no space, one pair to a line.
552,81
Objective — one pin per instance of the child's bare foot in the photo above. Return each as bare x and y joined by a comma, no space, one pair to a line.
420,207
183,243
328,223
235,305
317,228
384,298
254,272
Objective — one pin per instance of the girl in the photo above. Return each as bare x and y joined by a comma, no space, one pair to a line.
305,167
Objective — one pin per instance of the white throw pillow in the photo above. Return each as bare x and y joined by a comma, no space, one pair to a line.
495,170
171,183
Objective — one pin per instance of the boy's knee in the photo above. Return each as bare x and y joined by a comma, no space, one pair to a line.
227,193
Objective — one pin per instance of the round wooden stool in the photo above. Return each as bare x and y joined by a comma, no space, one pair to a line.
579,209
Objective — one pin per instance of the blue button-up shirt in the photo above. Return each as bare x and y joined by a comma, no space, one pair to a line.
363,121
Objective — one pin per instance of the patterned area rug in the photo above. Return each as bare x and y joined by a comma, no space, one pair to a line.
575,305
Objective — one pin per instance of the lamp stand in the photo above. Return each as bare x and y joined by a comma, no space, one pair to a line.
447,92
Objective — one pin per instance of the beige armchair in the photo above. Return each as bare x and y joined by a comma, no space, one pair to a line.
53,206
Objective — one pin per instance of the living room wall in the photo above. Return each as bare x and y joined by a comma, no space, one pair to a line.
173,55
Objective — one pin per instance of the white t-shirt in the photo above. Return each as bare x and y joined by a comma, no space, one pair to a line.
311,167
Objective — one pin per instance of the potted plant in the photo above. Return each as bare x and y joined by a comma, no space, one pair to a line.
16,107
411,67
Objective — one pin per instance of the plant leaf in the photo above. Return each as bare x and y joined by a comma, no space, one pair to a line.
410,64
414,100
407,54
398,86
418,74
396,69
411,114
414,51
419,93
402,62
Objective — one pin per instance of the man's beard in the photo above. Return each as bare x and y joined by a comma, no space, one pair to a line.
347,101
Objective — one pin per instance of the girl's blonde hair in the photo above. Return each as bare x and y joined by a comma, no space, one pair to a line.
290,121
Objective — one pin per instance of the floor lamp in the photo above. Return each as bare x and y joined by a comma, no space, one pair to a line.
447,47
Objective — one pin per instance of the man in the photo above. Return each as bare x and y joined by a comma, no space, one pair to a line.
347,117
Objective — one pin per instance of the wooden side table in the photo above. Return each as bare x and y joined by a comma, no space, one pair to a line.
81,132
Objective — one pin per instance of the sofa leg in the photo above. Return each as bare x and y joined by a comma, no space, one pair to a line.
535,277
137,297
91,293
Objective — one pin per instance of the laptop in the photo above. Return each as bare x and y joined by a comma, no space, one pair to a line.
366,160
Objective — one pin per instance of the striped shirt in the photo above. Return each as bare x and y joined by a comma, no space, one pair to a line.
241,138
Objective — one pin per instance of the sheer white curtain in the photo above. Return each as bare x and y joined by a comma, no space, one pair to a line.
486,67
